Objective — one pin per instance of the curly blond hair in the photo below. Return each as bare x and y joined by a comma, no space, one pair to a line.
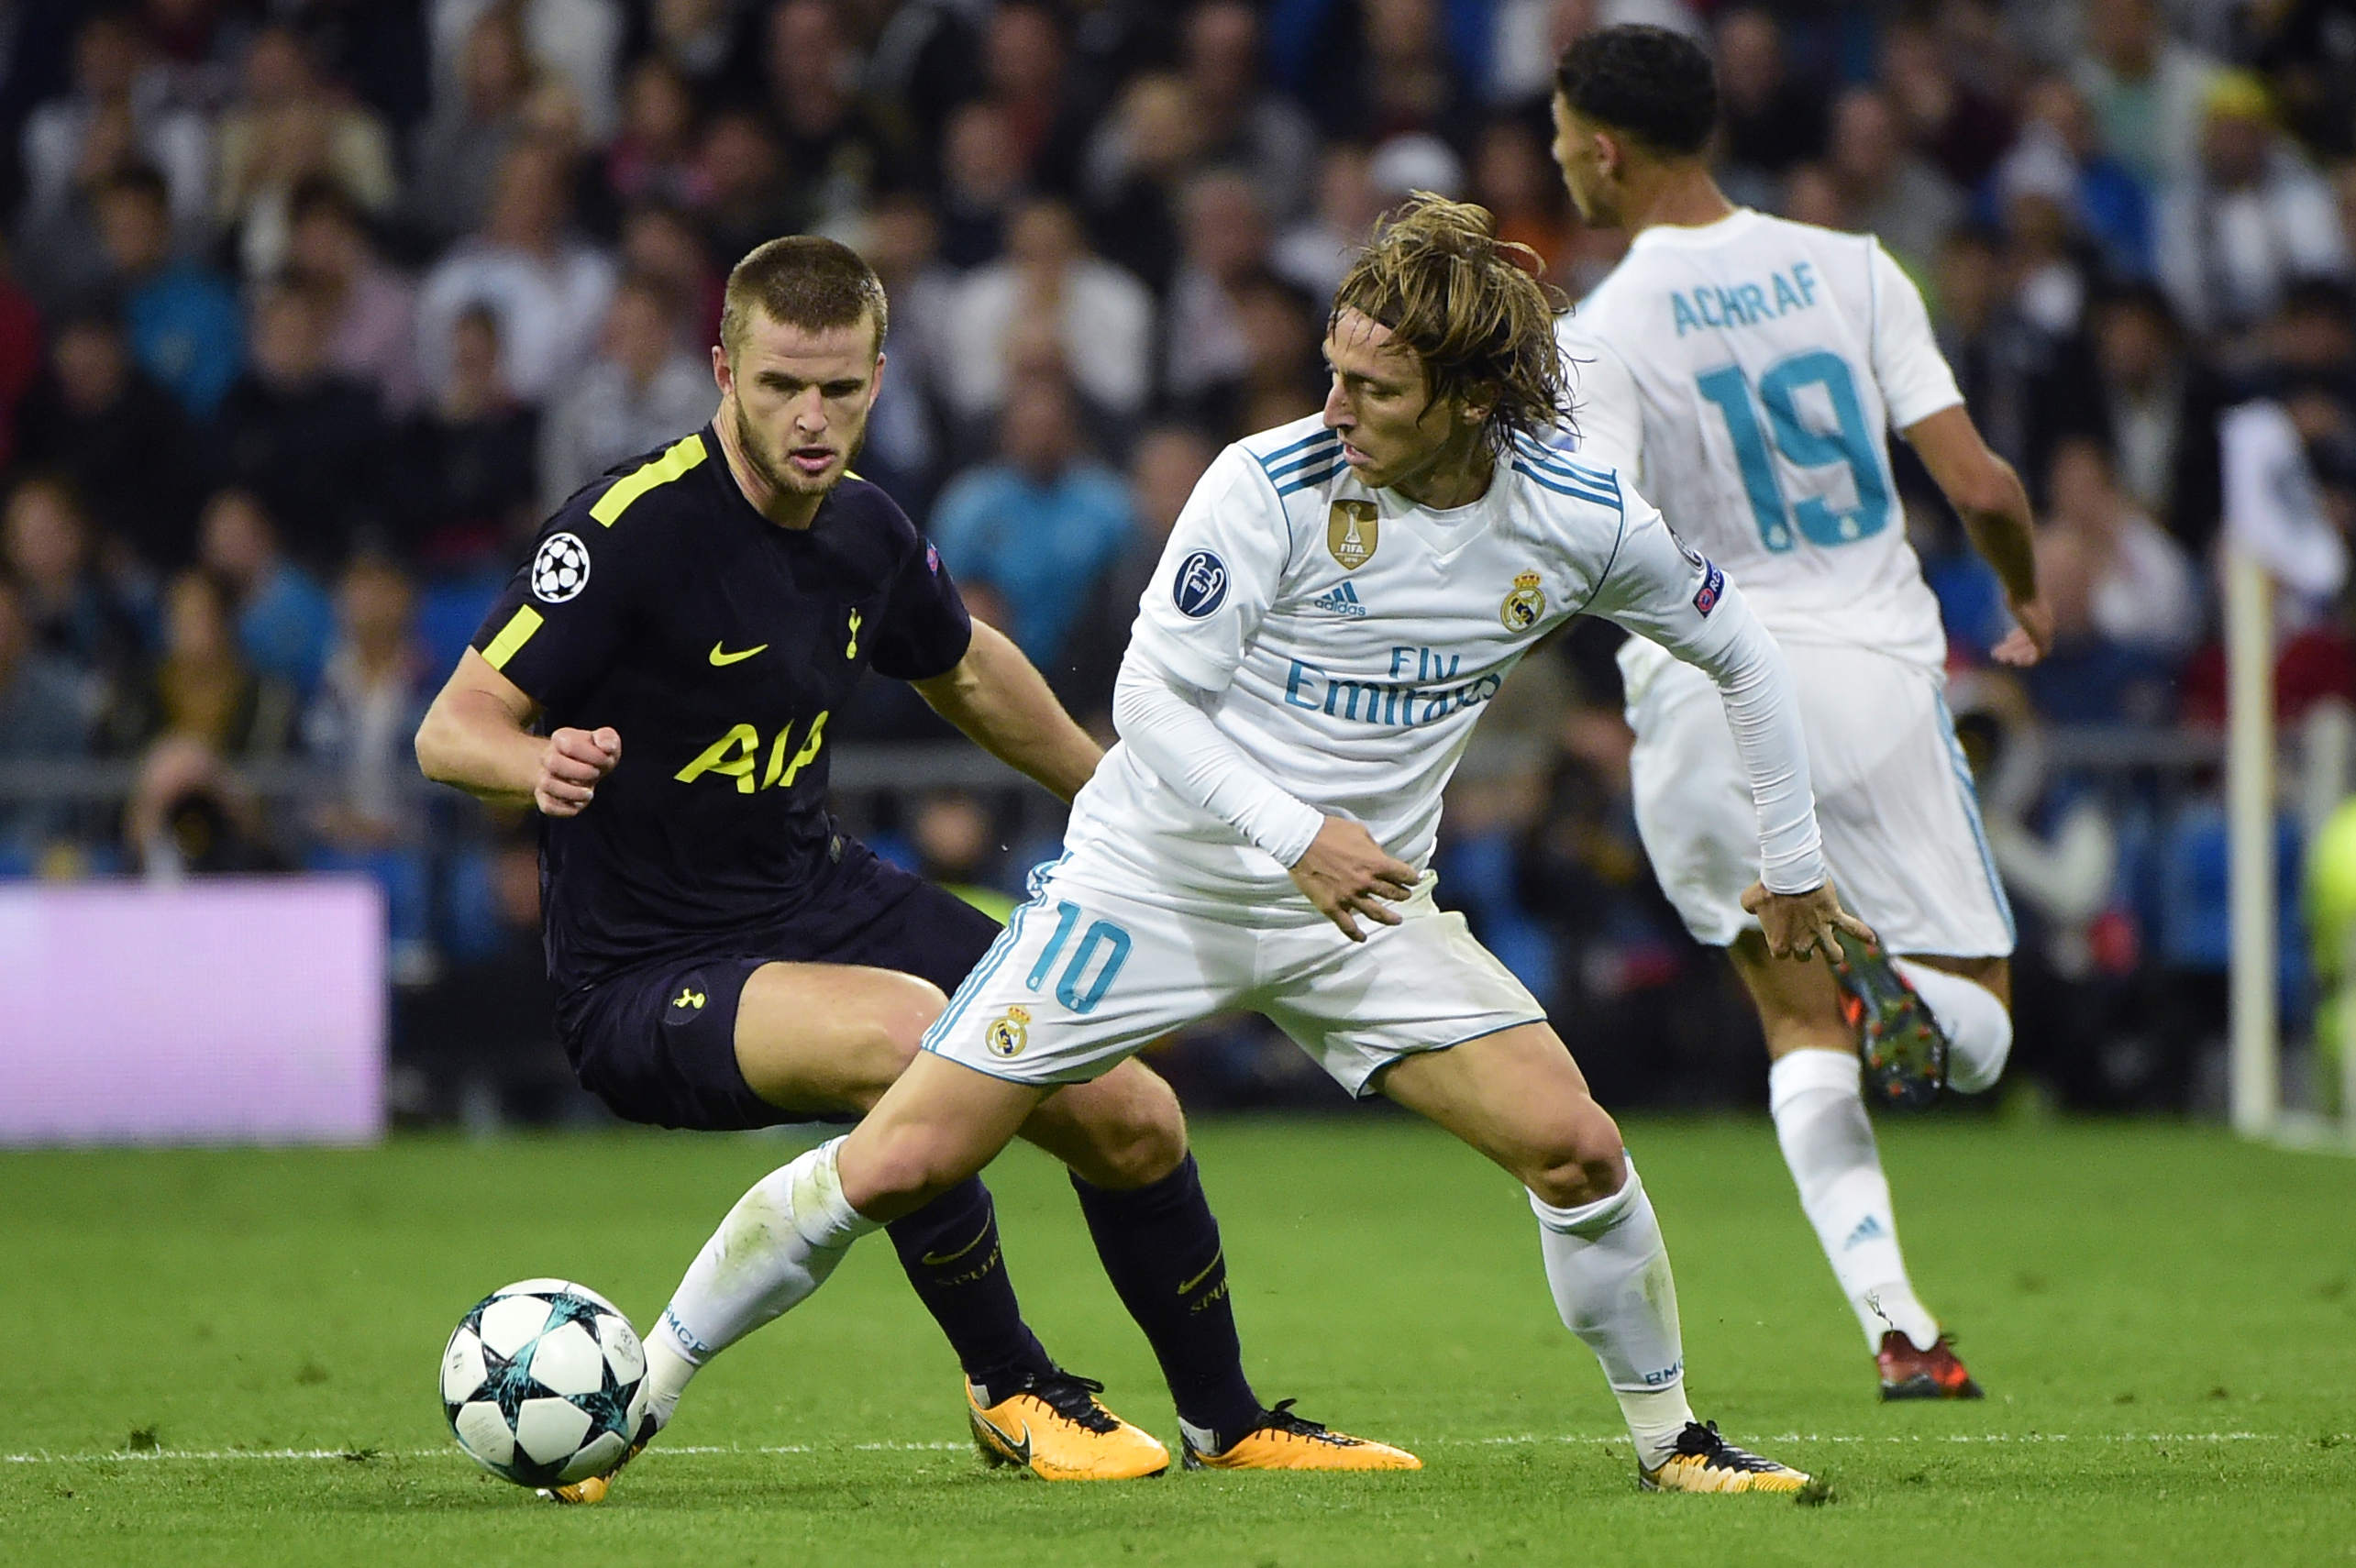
1472,309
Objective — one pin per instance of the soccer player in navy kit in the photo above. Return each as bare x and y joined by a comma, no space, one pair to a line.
725,957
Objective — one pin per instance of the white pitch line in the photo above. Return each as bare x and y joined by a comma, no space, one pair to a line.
692,1449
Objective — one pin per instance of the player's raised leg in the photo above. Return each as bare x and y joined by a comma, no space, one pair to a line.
1518,1098
1814,1094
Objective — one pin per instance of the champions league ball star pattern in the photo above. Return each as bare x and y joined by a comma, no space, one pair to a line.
544,1382
561,568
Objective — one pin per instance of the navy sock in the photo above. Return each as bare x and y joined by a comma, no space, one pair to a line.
949,1249
1160,1247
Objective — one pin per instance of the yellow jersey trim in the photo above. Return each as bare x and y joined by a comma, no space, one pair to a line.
683,455
512,636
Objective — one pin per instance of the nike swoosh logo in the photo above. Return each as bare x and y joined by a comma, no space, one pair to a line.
720,658
937,1259
1021,1450
1199,1279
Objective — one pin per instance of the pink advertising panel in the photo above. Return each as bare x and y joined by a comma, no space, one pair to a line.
237,1011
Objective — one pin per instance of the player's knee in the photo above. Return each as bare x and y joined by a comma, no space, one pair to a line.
886,1036
1136,1136
1578,1160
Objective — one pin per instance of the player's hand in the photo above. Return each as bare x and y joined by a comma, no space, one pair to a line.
2028,641
1798,925
571,765
1347,873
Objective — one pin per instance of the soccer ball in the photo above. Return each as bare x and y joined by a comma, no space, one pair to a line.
543,1383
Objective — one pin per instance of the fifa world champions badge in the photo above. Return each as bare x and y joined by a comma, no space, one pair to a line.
1352,532
1006,1036
1524,605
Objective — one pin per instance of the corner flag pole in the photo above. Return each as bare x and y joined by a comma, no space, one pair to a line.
2250,827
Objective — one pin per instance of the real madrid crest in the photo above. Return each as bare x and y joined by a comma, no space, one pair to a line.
1352,531
1524,605
1007,1036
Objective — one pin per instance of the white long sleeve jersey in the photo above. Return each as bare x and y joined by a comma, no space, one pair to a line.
1309,648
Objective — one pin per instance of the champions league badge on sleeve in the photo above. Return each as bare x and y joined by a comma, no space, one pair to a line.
1201,585
1713,585
561,568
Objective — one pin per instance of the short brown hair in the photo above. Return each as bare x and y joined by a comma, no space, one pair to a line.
801,280
1470,306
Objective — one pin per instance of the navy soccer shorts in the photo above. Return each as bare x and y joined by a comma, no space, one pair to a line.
658,1044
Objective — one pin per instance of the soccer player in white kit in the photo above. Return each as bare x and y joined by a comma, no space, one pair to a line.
1743,370
1339,598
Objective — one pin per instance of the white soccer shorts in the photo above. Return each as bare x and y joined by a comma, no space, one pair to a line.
1084,979
1893,797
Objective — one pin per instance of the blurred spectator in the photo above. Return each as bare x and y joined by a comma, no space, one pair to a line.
2163,404
191,813
374,49
2026,387
2250,221
698,39
1961,132
546,289
2308,52
577,41
1136,164
642,390
832,151
981,180
662,242
2051,265
2148,91
2060,153
114,82
285,129
953,836
103,424
74,612
1886,188
468,458
1164,467
1517,181
284,618
202,688
653,157
2086,679
1316,254
20,356
1283,376
1041,525
359,726
2144,594
459,152
302,436
1238,121
44,717
1226,242
746,200
903,454
370,310
1103,318
1385,68
1768,120
1025,63
183,316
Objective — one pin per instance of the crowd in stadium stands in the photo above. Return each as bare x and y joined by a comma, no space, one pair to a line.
311,309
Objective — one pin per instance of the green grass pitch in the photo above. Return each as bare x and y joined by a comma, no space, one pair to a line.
230,1358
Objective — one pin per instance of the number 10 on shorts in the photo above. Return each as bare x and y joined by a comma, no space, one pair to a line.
1104,946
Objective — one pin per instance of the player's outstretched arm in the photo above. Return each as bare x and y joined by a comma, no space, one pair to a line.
999,699
1987,495
478,736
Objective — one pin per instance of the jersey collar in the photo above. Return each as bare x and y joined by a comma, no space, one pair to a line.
1688,237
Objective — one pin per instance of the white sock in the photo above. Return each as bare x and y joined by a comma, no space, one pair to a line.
777,1245
1828,1144
1611,1282
1978,1029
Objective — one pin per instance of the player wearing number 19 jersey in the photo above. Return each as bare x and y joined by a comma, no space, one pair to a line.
1745,369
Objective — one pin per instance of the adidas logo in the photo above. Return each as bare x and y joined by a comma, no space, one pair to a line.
1868,1229
1342,600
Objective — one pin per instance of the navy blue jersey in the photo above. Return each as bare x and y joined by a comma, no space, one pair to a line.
716,644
